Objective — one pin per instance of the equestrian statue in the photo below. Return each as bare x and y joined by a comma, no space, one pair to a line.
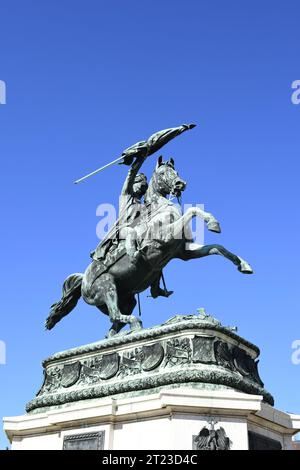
151,230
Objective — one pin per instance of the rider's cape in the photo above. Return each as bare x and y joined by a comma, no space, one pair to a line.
109,251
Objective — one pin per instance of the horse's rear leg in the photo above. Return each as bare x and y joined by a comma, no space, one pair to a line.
193,250
116,326
128,305
114,329
107,293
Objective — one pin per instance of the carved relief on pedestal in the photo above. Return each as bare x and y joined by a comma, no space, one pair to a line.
70,374
109,366
52,378
237,360
152,356
211,439
203,349
178,352
100,368
131,362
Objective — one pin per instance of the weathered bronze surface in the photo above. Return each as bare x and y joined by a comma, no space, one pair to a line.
151,231
195,350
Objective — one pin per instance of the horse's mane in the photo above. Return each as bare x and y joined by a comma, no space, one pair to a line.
152,189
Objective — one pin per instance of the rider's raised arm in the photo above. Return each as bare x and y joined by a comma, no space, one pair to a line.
128,184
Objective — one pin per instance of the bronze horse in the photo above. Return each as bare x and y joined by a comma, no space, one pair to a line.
163,234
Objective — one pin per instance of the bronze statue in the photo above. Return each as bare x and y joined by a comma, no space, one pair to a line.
141,243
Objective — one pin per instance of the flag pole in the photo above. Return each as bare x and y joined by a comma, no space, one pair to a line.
99,169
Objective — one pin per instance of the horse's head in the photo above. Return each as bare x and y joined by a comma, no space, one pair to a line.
165,179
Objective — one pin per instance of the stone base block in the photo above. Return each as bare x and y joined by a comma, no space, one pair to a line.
189,383
168,419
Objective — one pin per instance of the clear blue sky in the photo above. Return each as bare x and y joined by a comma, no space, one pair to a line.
87,79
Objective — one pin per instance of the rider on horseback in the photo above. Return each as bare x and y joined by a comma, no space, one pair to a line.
130,212
131,209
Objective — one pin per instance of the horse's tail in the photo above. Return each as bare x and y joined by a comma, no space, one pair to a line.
71,293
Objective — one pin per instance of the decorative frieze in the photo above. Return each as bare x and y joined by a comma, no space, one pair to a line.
199,354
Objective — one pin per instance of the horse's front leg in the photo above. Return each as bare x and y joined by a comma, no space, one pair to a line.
193,250
211,222
176,229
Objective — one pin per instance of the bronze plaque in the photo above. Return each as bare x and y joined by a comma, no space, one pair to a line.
86,441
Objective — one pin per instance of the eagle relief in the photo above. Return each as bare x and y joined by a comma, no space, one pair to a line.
211,439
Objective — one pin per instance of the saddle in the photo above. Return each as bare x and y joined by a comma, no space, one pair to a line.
109,258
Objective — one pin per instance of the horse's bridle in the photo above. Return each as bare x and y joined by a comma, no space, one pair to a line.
162,185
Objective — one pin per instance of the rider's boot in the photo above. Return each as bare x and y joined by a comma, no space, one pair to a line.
132,249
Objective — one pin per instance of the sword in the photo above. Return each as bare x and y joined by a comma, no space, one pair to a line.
143,148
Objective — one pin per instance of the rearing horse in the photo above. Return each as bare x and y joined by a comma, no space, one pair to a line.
162,234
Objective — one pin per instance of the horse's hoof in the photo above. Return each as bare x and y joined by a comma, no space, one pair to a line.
110,334
245,267
136,324
214,226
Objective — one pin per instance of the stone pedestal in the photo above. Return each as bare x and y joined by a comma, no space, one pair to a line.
189,383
